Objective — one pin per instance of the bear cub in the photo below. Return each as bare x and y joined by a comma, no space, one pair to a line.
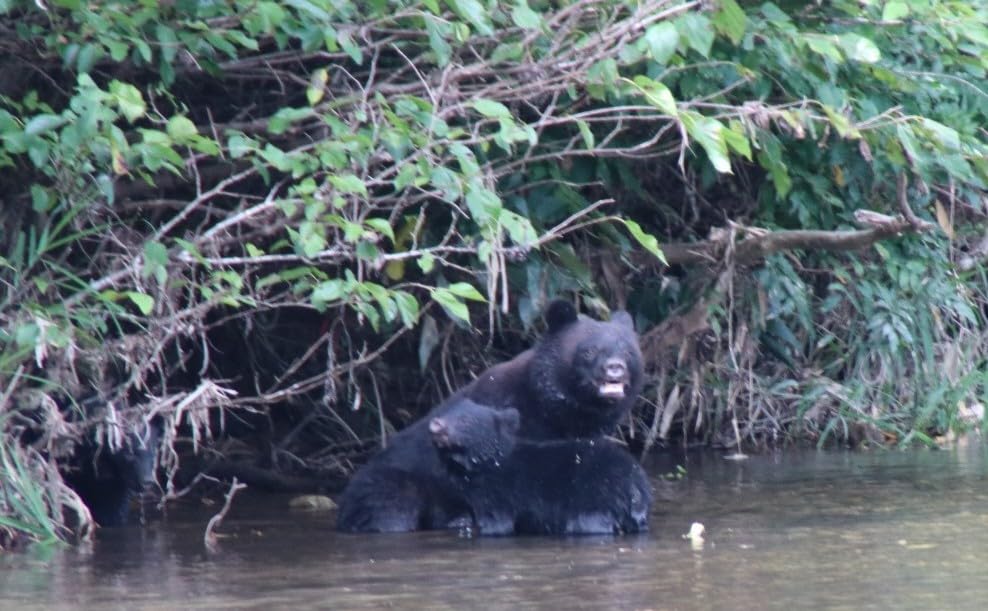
519,486
387,499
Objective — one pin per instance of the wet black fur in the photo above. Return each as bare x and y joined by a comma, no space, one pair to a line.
517,486
552,385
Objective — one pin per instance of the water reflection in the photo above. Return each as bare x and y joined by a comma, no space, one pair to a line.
801,529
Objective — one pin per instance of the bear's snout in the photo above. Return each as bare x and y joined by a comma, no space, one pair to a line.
615,370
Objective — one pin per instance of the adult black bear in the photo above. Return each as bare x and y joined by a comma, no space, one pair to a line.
577,382
518,486
107,480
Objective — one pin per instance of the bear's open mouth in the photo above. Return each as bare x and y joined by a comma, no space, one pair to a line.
611,390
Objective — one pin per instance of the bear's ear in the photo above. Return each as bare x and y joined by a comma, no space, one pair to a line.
559,314
624,319
510,420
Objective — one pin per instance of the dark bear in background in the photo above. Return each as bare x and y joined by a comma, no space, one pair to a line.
518,486
108,479
577,382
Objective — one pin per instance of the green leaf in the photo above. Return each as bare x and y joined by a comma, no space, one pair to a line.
143,49
491,109
512,132
317,86
381,226
426,263
408,308
118,49
841,123
27,334
588,137
605,72
305,6
282,120
328,292
437,31
509,51
519,228
44,123
370,312
647,240
309,238
451,303
895,10
428,341
466,291
474,12
944,138
351,48
860,48
466,159
656,93
770,158
106,187
243,40
38,152
662,39
710,134
368,251
42,199
144,303
155,262
349,183
155,253
88,56
780,177
730,20
447,182
697,31
524,17
736,139
240,145
167,41
408,175
128,99
484,204
825,46
181,129
976,33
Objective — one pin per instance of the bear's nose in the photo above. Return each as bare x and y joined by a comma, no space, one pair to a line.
615,370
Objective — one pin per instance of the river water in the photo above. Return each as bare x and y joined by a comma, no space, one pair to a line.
802,529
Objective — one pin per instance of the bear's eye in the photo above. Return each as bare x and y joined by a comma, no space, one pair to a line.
587,354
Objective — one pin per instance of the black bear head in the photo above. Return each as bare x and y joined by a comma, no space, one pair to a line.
472,437
107,479
133,465
586,372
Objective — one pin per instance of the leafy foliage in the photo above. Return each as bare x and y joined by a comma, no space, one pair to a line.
312,203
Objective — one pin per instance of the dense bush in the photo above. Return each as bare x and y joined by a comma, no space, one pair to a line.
309,220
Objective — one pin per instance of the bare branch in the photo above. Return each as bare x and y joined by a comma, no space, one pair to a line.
761,243
210,538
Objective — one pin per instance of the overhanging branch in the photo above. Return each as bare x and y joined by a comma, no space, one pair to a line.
761,243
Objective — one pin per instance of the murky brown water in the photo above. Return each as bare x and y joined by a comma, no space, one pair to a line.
801,530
